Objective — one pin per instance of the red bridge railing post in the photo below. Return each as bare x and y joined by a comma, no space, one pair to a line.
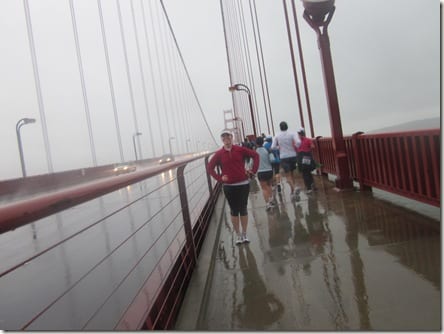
357,152
186,212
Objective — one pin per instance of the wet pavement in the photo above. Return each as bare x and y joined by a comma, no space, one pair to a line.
329,261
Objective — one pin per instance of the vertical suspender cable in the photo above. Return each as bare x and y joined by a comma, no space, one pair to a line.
128,74
259,67
82,81
156,101
293,62
170,83
162,89
142,77
110,80
38,86
240,68
186,70
169,109
230,70
301,57
263,65
248,61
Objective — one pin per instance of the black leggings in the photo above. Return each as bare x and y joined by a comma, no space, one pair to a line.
237,197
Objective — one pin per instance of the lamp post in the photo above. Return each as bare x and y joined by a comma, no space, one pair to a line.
244,88
237,118
186,143
318,14
19,124
169,142
134,143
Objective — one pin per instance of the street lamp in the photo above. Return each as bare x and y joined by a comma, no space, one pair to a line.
318,14
134,142
169,142
237,118
19,124
186,143
246,89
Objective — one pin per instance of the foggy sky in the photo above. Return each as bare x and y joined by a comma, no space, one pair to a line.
385,56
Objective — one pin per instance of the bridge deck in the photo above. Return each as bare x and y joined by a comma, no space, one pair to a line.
331,261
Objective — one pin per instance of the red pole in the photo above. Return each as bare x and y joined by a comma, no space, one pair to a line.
343,180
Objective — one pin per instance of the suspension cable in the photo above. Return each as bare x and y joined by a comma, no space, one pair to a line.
110,80
142,77
38,86
82,82
128,74
186,70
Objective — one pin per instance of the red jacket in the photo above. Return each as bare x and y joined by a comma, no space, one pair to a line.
232,163
306,145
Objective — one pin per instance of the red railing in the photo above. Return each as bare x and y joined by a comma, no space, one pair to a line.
164,243
404,163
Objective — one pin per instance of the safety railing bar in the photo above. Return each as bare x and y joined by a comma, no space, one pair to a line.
94,267
130,272
78,233
402,163
156,293
409,164
396,163
435,166
428,187
22,212
193,168
417,172
170,289
199,199
193,181
171,286
384,161
402,133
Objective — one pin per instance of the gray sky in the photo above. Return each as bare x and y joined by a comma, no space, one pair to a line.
385,55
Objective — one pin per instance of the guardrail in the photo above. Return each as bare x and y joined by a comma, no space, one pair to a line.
404,163
147,287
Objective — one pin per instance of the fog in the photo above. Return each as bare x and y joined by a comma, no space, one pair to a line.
386,57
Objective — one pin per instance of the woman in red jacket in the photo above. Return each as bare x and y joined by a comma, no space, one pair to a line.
235,178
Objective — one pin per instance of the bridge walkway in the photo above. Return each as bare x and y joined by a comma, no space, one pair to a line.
330,261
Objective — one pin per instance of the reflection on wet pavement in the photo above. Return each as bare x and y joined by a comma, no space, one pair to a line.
330,261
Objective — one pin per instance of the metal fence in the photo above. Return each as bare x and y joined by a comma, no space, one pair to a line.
116,253
404,163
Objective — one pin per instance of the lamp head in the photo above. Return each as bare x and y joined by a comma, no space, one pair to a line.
317,9
28,120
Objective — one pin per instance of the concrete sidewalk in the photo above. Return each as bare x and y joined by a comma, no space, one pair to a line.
330,261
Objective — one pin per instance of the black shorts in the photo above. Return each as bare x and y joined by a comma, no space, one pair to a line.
265,176
237,197
288,164
276,167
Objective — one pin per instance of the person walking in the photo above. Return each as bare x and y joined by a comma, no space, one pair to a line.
265,173
306,162
287,142
235,179
275,164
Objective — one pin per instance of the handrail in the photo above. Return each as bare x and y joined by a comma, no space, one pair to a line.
405,163
172,240
22,212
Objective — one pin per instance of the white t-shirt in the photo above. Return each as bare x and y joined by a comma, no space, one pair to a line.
285,141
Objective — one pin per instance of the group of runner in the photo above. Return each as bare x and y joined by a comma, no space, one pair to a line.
239,163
